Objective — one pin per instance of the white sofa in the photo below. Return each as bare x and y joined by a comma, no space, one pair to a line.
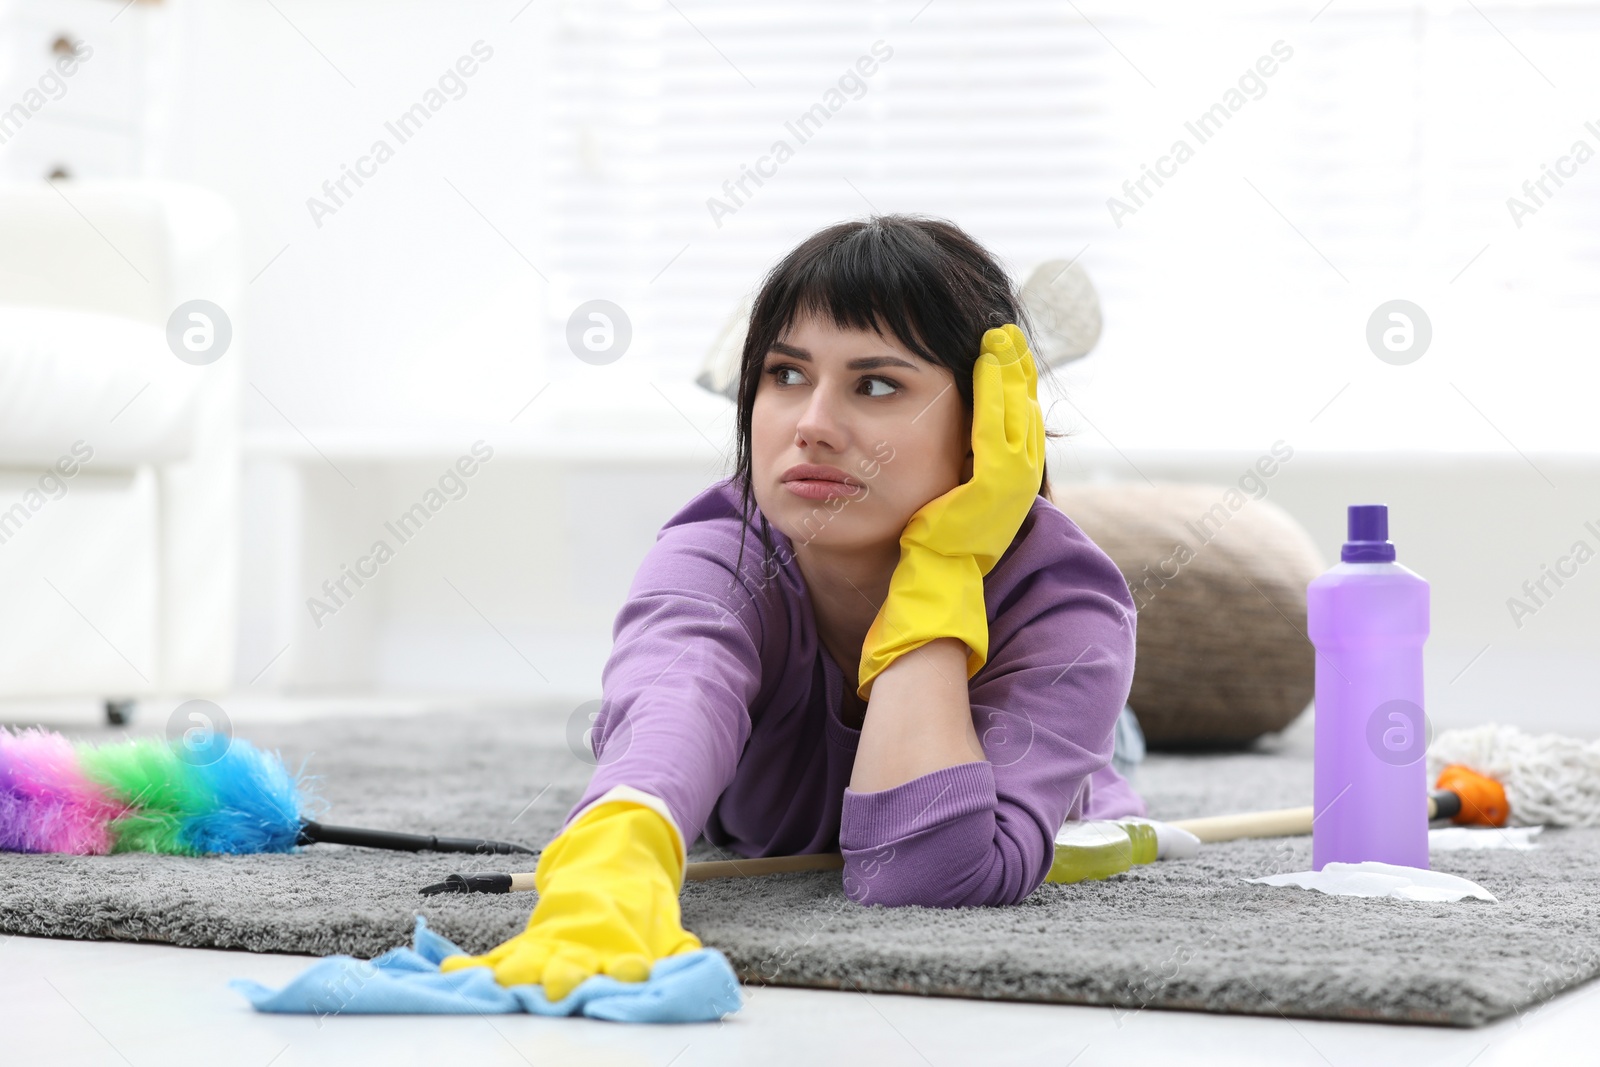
119,462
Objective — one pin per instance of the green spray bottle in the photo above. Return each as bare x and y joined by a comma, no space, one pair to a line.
1099,848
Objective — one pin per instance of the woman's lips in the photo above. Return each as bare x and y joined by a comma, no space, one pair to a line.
821,489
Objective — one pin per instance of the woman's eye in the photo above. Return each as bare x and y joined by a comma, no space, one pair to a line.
781,369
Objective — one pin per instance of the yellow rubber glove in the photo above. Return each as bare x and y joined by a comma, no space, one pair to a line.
952,541
608,904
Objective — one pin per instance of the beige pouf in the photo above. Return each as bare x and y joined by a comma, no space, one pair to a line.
1223,655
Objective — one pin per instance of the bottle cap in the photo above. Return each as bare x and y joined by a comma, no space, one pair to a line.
1368,540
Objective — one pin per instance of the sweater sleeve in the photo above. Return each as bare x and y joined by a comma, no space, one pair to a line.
684,669
1044,708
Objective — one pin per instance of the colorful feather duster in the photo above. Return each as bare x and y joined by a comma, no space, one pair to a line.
154,795
143,795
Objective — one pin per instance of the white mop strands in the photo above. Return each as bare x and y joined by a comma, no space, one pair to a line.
1549,779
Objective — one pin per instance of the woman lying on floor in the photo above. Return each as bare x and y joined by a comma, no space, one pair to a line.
891,437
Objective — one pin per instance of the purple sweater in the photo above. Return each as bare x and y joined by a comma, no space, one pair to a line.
719,698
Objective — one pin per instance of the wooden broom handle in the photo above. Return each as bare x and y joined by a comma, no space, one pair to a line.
743,868
1284,822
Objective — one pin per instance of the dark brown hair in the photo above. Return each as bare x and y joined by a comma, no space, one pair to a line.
924,279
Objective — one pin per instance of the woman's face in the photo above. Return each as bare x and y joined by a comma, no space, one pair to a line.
896,428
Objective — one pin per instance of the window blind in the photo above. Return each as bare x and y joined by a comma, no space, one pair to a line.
1377,163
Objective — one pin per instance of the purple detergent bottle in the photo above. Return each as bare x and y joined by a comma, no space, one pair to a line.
1368,618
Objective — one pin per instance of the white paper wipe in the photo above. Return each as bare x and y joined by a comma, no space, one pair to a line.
1454,838
1374,879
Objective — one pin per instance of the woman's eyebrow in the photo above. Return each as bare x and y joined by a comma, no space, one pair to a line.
866,363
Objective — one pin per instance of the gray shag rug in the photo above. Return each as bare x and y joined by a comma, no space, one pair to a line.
1190,934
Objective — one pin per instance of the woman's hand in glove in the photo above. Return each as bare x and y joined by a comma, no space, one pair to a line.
952,541
608,904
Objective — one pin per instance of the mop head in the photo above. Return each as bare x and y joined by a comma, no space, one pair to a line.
698,986
145,795
1549,779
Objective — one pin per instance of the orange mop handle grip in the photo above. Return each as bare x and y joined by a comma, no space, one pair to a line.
1483,800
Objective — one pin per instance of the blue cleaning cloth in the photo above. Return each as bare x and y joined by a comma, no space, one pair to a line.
697,986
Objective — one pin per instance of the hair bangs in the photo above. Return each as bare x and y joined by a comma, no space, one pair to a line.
862,282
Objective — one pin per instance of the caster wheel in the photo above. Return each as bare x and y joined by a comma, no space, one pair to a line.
120,712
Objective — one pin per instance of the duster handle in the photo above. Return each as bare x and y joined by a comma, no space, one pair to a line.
313,832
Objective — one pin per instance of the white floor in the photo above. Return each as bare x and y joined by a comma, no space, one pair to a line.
82,1002
86,1002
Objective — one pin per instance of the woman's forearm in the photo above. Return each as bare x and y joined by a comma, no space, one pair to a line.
919,718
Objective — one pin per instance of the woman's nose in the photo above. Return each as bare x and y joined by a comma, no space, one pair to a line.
819,422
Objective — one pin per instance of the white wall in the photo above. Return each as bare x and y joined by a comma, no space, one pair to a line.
542,556
1377,164
413,320
405,305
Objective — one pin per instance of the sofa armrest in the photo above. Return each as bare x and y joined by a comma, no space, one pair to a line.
139,249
